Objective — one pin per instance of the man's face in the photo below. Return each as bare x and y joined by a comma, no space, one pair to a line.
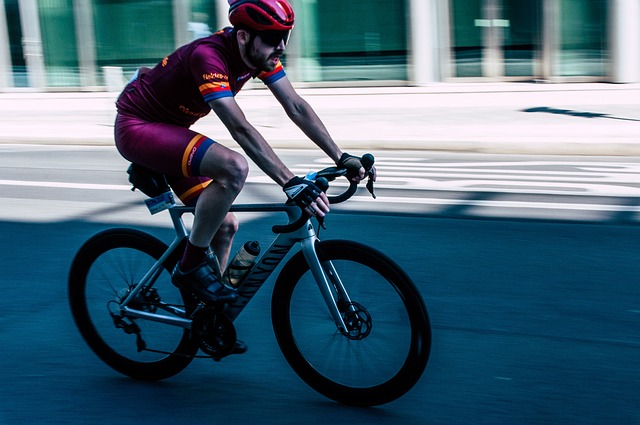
267,48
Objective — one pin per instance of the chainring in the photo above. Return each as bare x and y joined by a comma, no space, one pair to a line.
214,332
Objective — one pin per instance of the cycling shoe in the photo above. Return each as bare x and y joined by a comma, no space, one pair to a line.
201,281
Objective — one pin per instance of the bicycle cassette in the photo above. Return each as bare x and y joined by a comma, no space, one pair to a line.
214,332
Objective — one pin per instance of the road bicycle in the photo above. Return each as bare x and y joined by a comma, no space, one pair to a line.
348,320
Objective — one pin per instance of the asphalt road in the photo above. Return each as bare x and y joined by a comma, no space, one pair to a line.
535,321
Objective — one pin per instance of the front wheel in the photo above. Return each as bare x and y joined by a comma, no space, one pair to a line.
105,270
384,350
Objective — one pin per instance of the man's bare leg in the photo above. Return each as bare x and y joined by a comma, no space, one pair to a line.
223,239
228,170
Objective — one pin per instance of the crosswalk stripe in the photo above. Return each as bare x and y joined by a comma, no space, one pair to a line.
501,204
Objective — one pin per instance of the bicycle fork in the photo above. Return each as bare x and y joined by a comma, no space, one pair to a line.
327,279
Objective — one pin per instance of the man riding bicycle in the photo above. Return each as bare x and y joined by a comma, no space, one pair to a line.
156,109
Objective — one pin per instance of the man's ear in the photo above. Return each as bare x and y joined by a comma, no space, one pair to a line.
243,37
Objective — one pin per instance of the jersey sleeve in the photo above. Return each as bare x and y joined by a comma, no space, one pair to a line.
210,73
272,76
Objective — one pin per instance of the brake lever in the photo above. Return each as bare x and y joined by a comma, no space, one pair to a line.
367,162
323,185
370,186
321,222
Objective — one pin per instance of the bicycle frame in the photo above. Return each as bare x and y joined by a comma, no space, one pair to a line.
266,263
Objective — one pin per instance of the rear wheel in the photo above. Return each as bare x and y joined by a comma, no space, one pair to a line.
386,346
105,270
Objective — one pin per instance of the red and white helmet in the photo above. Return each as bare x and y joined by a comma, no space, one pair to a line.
261,15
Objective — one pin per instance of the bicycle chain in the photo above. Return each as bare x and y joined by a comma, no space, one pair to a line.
133,328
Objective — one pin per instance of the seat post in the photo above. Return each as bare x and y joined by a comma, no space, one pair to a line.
176,213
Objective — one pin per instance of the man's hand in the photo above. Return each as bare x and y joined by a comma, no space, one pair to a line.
307,195
355,171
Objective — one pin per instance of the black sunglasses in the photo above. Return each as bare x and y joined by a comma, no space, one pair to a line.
274,38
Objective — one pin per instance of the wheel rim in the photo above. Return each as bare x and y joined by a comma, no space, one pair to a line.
372,358
108,281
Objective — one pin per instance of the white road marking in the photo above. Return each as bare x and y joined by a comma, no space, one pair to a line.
501,204
620,179
65,185
584,179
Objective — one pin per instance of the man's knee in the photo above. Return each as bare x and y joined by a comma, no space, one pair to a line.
238,168
227,168
234,174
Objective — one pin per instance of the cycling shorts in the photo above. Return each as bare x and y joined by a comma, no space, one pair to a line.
166,148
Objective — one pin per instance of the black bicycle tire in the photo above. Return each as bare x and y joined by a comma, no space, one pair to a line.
418,356
90,251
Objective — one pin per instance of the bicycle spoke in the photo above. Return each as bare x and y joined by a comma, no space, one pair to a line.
385,347
104,274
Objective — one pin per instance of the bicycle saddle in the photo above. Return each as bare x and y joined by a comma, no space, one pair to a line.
149,182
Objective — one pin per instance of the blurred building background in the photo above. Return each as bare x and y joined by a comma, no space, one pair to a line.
96,44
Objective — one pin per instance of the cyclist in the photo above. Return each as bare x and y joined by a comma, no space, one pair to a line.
156,109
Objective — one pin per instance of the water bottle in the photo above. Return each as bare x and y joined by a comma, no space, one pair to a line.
241,264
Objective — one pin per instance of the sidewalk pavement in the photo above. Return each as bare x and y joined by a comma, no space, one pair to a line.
517,118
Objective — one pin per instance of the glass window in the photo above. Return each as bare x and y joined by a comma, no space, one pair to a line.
467,25
133,33
495,38
361,40
203,18
59,42
522,38
582,38
19,67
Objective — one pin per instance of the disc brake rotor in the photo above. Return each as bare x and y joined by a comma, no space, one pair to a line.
358,322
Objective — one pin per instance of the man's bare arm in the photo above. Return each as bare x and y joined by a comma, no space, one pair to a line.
250,140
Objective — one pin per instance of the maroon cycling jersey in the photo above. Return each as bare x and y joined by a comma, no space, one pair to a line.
177,90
